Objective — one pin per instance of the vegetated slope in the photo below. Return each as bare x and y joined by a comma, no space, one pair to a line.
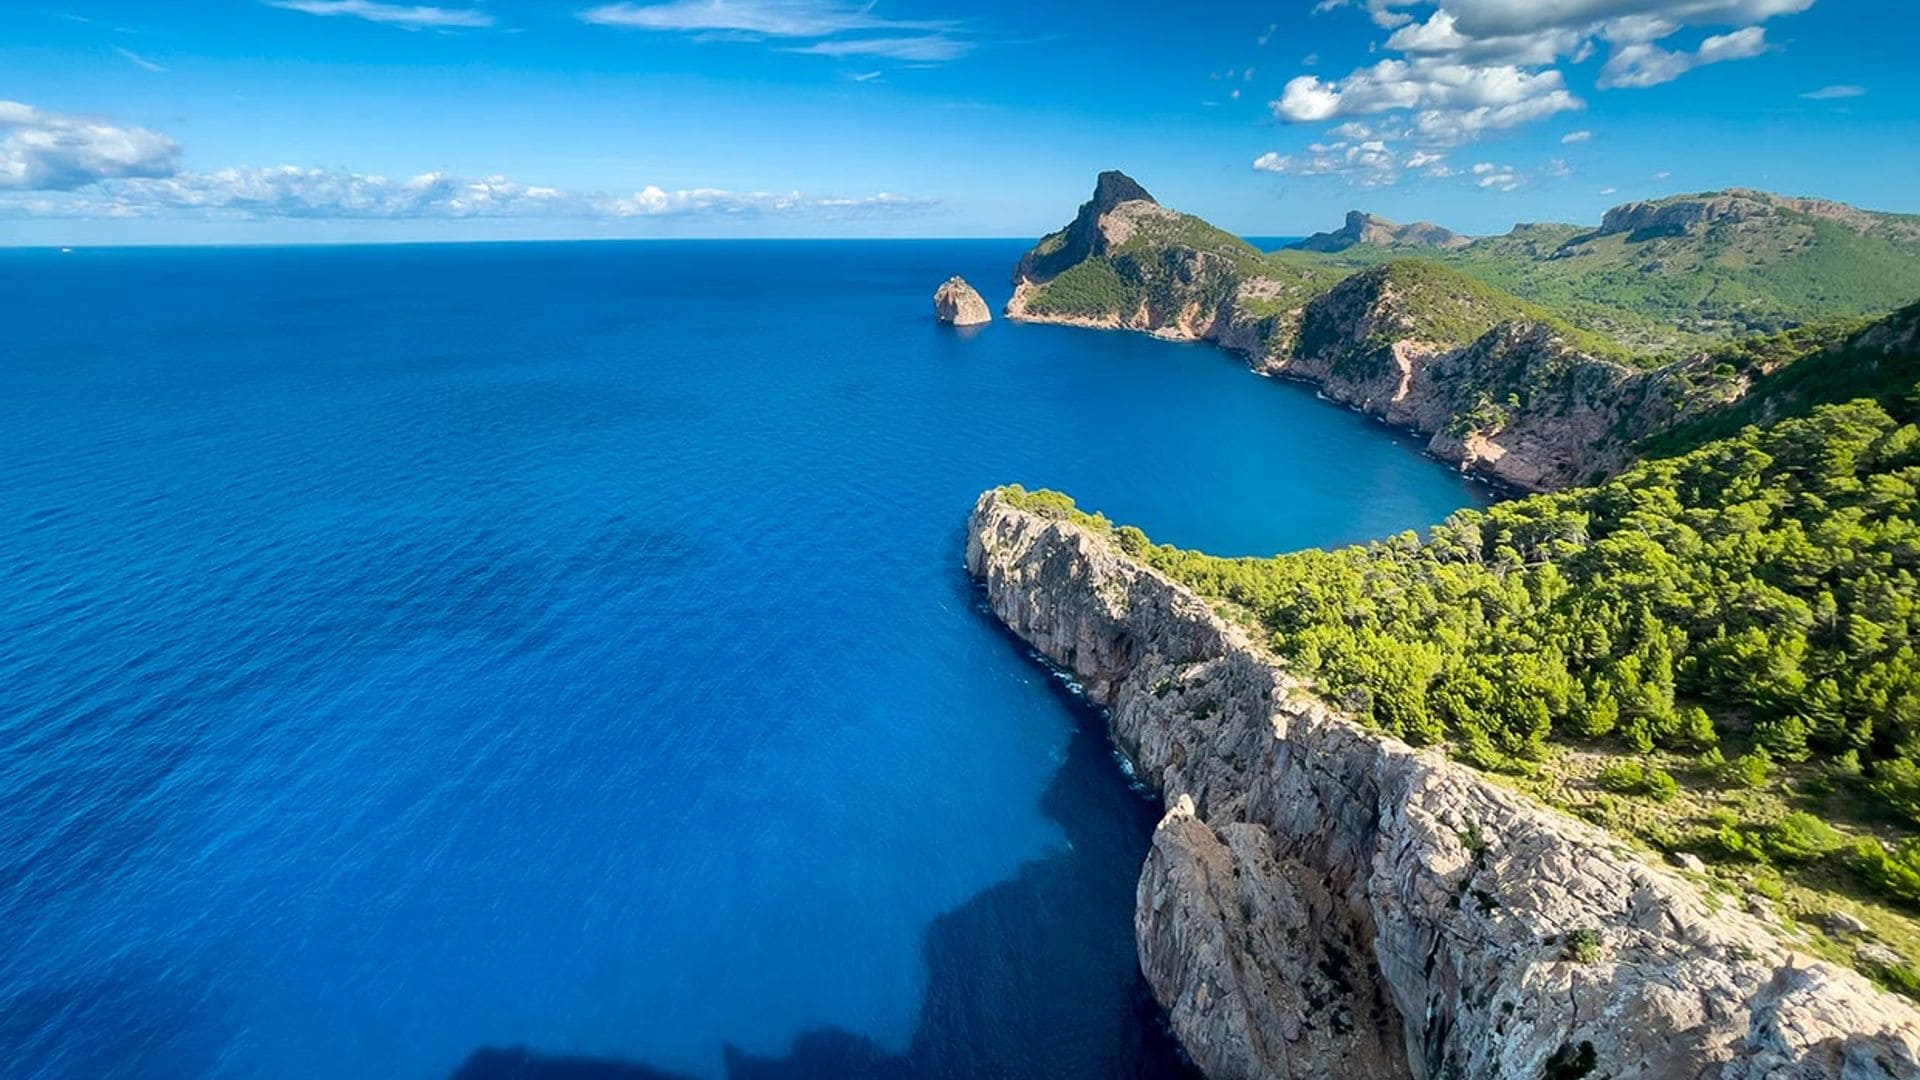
1730,634
1718,264
1787,374
1125,261
1324,901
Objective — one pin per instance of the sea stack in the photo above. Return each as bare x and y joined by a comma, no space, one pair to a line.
959,303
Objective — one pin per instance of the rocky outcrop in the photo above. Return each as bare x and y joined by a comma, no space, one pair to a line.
1682,215
958,303
1321,901
1368,229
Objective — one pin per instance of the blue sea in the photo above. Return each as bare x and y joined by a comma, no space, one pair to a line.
555,660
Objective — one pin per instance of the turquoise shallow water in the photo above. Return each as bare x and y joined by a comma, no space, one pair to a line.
556,660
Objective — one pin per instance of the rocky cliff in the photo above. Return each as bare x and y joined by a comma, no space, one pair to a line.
1694,214
958,303
1362,228
1321,901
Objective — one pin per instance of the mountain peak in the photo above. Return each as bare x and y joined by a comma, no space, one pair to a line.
1081,238
1113,188
1683,215
1365,228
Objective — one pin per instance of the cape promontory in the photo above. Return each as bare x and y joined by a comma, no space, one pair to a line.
1322,900
959,304
1540,358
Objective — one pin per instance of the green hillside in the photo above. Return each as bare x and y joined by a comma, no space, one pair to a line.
1684,270
1716,652
1658,279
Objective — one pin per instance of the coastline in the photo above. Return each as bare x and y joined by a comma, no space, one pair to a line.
1500,487
1296,842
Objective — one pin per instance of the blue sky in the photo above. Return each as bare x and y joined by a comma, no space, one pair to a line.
333,120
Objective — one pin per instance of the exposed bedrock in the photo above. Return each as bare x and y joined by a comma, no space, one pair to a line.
1321,901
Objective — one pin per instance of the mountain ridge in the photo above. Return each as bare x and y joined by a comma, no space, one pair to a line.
1363,228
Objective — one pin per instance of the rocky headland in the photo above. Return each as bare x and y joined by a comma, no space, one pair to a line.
1388,320
1322,901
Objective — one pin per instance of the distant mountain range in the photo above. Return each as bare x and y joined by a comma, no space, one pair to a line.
1373,231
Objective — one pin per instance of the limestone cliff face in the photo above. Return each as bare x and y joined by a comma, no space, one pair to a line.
1685,214
1321,901
957,302
1083,237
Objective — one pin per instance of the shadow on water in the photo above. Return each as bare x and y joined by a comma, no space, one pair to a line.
1034,977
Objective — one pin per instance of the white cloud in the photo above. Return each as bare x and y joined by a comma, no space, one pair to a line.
43,151
1572,137
836,28
1362,161
1835,93
1465,68
1440,127
407,16
1367,164
1609,190
926,49
1419,84
1638,66
137,60
1493,18
288,191
1382,12
770,18
1491,177
1440,36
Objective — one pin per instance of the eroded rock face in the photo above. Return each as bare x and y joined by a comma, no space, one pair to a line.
1321,901
958,303
1683,214
1082,236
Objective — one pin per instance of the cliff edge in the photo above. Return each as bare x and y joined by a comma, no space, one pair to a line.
1322,901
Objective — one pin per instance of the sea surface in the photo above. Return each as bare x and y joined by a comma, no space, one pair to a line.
555,660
